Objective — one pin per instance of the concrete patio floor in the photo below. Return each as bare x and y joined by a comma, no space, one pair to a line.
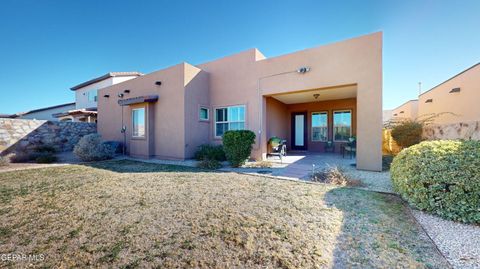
301,164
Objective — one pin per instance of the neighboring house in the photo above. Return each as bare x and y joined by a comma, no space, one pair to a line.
407,110
459,95
309,97
86,96
387,115
45,113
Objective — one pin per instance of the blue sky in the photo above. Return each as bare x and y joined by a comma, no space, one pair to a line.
48,46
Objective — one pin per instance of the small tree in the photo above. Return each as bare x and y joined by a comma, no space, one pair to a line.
238,146
407,133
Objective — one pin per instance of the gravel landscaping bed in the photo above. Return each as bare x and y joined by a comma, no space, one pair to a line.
374,181
459,243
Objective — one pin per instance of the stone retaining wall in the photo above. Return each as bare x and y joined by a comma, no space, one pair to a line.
25,135
461,130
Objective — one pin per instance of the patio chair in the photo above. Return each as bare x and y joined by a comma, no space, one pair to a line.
329,146
278,147
350,148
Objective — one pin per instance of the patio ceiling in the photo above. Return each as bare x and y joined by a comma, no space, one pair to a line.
324,94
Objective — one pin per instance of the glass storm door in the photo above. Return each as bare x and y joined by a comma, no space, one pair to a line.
299,131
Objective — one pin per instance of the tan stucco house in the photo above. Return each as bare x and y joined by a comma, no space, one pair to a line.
458,96
407,110
309,97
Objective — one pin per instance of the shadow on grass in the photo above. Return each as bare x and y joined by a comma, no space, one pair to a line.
129,166
378,231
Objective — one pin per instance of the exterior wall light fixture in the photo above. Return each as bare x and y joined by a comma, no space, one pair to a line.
303,69
158,83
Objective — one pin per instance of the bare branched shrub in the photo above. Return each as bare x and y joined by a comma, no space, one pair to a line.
91,148
334,175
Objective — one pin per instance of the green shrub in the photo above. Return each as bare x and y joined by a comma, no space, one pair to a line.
91,148
210,164
386,162
21,157
238,146
441,177
46,157
45,149
210,152
407,133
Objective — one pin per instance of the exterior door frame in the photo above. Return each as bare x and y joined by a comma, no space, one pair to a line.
305,131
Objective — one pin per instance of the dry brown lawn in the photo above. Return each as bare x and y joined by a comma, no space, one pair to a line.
129,214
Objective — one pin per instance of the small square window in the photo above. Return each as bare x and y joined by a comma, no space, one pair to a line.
204,112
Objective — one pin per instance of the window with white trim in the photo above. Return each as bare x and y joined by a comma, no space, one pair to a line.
320,126
342,125
138,121
204,113
229,118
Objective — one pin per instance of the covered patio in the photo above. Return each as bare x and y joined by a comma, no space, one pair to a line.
314,121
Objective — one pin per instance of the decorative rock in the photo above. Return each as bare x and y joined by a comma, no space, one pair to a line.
27,134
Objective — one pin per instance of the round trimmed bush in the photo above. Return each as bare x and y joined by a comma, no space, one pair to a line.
238,146
441,177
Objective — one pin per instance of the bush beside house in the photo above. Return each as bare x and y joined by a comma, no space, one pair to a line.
92,148
238,146
441,177
210,152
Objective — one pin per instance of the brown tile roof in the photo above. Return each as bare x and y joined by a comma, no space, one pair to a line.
107,75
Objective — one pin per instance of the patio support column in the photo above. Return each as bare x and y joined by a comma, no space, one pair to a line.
369,125
263,136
